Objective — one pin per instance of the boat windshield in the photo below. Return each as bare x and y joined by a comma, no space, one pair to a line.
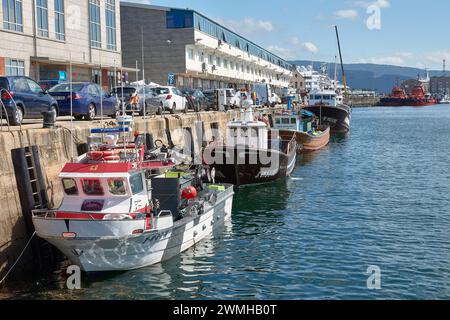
70,187
117,187
92,187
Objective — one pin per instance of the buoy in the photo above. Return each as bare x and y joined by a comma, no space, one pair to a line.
189,193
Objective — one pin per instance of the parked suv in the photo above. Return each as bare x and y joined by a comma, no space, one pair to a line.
23,98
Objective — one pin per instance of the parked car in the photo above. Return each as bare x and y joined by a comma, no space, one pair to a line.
211,101
23,98
171,99
232,97
48,84
143,93
196,99
87,100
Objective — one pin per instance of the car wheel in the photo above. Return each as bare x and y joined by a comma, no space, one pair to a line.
54,108
17,117
159,112
174,108
90,115
141,112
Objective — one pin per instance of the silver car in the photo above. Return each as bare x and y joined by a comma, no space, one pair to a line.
124,95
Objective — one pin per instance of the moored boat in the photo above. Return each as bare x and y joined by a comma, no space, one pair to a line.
417,98
324,104
251,154
309,136
125,207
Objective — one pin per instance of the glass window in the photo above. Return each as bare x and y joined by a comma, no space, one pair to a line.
136,183
65,87
12,15
34,87
111,42
176,19
278,121
95,27
191,54
70,187
293,121
92,187
60,33
159,91
42,18
21,85
117,187
14,67
285,121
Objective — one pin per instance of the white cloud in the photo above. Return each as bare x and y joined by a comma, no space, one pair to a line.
248,26
303,46
431,60
346,14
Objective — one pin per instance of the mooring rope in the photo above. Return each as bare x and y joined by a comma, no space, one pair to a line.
20,256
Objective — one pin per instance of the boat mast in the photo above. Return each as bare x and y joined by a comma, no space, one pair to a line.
344,79
335,73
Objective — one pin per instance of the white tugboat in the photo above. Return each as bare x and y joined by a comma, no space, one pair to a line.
126,208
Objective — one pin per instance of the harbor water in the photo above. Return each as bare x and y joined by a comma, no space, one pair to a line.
380,197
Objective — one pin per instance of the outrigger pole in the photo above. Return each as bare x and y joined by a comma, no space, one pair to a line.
344,78
71,106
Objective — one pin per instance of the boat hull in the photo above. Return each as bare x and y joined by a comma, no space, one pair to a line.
309,142
396,102
244,166
338,117
116,252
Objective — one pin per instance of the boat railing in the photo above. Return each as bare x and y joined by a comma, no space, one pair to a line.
53,215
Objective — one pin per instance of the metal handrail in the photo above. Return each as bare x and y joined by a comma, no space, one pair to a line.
46,214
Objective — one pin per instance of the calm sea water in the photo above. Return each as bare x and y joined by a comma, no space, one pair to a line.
380,197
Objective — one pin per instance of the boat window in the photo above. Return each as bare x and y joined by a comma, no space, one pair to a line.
285,121
70,187
136,183
92,187
117,187
92,205
293,121
278,121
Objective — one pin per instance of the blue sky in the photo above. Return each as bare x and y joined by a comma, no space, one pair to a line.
412,33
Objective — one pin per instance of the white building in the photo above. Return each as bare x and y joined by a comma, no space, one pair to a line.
199,52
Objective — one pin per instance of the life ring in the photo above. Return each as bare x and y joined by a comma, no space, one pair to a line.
110,155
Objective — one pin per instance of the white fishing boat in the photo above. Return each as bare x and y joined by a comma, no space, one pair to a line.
126,207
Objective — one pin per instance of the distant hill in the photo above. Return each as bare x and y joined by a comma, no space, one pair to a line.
380,78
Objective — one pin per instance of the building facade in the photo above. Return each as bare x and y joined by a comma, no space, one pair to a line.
197,51
42,38
297,82
440,86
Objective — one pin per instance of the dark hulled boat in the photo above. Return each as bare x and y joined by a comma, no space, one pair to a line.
323,103
252,154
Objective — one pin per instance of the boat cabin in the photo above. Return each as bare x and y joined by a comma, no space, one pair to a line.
323,97
247,132
102,191
294,121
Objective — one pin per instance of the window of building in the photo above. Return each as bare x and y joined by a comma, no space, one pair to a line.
14,67
178,19
225,63
12,15
95,26
111,42
210,59
42,18
191,54
60,33
219,61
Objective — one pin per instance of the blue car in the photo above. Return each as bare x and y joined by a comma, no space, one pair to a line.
23,98
87,100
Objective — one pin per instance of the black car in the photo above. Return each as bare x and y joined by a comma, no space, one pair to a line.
196,99
211,99
23,98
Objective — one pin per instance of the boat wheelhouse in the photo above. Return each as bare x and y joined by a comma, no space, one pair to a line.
127,207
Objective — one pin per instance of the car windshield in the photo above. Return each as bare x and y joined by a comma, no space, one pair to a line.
159,91
188,91
126,91
65,87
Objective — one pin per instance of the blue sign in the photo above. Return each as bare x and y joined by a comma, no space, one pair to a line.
62,75
170,79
